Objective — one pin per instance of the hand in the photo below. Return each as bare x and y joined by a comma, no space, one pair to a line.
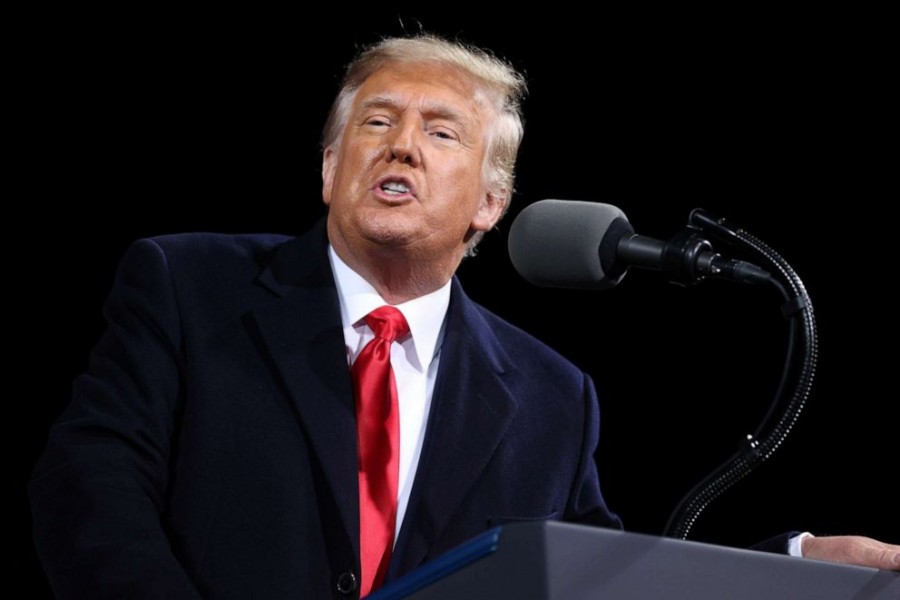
853,550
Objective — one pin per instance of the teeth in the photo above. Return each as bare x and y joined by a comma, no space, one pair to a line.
395,187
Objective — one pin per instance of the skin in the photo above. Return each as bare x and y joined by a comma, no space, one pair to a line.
853,550
422,125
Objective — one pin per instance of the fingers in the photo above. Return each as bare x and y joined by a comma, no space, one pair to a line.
853,550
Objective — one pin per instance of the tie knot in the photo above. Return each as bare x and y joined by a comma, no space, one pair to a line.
387,323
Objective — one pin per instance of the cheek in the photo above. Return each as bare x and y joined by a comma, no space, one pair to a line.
467,189
354,164
366,161
463,177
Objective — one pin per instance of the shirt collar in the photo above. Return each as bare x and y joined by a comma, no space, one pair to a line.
425,314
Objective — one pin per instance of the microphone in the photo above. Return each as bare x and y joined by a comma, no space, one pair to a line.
573,244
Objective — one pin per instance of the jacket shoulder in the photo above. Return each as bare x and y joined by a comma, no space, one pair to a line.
216,243
185,253
527,352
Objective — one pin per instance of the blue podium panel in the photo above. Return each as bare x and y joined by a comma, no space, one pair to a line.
560,561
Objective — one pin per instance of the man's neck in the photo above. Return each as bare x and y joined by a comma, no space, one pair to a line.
396,275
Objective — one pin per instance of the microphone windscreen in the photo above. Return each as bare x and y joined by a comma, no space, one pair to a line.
556,243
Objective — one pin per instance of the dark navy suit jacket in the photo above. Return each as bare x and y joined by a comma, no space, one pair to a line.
210,448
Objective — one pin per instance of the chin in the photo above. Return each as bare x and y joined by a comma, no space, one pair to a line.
388,235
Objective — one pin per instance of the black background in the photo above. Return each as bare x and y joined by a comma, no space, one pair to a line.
141,123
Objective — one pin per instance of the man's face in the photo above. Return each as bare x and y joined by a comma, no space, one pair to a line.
408,170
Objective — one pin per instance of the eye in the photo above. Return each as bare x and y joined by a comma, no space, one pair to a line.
377,121
445,134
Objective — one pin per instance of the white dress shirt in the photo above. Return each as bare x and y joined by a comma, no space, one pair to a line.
414,359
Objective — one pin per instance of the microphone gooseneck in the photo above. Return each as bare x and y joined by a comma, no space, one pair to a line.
793,390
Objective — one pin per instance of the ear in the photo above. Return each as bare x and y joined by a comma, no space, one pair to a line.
329,165
492,207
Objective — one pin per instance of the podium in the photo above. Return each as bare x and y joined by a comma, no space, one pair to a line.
561,561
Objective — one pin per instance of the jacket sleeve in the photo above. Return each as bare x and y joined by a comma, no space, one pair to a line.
776,545
586,503
98,491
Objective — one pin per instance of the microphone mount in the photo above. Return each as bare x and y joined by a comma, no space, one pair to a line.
686,259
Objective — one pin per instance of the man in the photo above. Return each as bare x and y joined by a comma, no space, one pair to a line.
212,449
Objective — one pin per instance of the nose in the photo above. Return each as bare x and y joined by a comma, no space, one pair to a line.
403,145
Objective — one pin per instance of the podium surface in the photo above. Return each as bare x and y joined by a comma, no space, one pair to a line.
561,561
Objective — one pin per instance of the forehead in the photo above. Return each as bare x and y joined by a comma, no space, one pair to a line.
422,86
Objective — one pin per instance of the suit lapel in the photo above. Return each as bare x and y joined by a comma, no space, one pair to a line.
470,414
301,333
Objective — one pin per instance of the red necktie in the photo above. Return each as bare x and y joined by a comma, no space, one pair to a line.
378,435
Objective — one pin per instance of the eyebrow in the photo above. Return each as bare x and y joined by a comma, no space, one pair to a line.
432,110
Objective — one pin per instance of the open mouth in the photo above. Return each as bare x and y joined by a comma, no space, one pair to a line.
395,187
